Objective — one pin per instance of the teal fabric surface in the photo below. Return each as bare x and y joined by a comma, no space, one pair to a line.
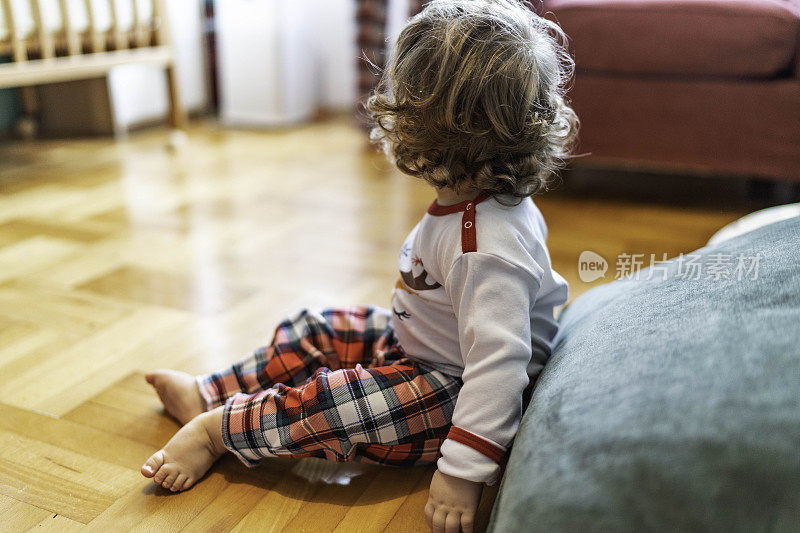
669,404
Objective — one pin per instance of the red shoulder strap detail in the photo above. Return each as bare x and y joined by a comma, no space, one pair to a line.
469,236
469,239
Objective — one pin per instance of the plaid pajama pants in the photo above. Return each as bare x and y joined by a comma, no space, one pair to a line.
334,385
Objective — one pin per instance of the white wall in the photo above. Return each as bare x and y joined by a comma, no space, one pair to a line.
337,51
266,61
139,92
280,60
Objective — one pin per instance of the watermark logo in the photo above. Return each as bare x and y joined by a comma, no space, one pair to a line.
591,266
694,266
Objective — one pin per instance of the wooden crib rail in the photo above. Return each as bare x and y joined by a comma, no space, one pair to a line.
50,28
52,41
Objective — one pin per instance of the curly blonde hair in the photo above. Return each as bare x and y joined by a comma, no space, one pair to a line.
473,97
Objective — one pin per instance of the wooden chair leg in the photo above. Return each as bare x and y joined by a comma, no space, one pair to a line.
177,113
28,123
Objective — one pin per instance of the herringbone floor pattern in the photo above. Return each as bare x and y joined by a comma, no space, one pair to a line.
120,257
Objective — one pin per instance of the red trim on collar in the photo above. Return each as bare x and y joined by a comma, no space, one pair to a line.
438,210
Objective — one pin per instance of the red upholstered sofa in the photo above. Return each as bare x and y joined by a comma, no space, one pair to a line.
705,86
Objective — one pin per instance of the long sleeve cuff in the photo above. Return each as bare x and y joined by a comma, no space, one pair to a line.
468,456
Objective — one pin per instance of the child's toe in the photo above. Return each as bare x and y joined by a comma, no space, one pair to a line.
179,482
160,476
169,480
153,464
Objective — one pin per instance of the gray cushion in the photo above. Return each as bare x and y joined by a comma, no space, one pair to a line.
669,405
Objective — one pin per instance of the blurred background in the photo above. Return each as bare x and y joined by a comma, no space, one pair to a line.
670,87
265,63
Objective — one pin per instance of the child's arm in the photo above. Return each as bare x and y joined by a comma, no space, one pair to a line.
492,299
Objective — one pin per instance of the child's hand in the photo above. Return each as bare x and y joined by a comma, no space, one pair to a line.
452,503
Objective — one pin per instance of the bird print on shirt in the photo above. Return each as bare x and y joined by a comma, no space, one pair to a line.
419,282
413,277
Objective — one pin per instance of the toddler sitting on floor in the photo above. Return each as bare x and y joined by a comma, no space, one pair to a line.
473,103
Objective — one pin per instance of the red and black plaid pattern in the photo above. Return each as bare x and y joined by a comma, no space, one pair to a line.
334,385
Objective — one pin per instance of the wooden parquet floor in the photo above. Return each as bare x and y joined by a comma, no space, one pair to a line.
120,257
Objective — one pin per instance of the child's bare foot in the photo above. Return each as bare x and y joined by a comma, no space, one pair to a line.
189,454
178,392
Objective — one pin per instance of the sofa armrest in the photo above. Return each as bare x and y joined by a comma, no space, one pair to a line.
756,39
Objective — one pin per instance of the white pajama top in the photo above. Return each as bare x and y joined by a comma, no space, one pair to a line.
475,300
